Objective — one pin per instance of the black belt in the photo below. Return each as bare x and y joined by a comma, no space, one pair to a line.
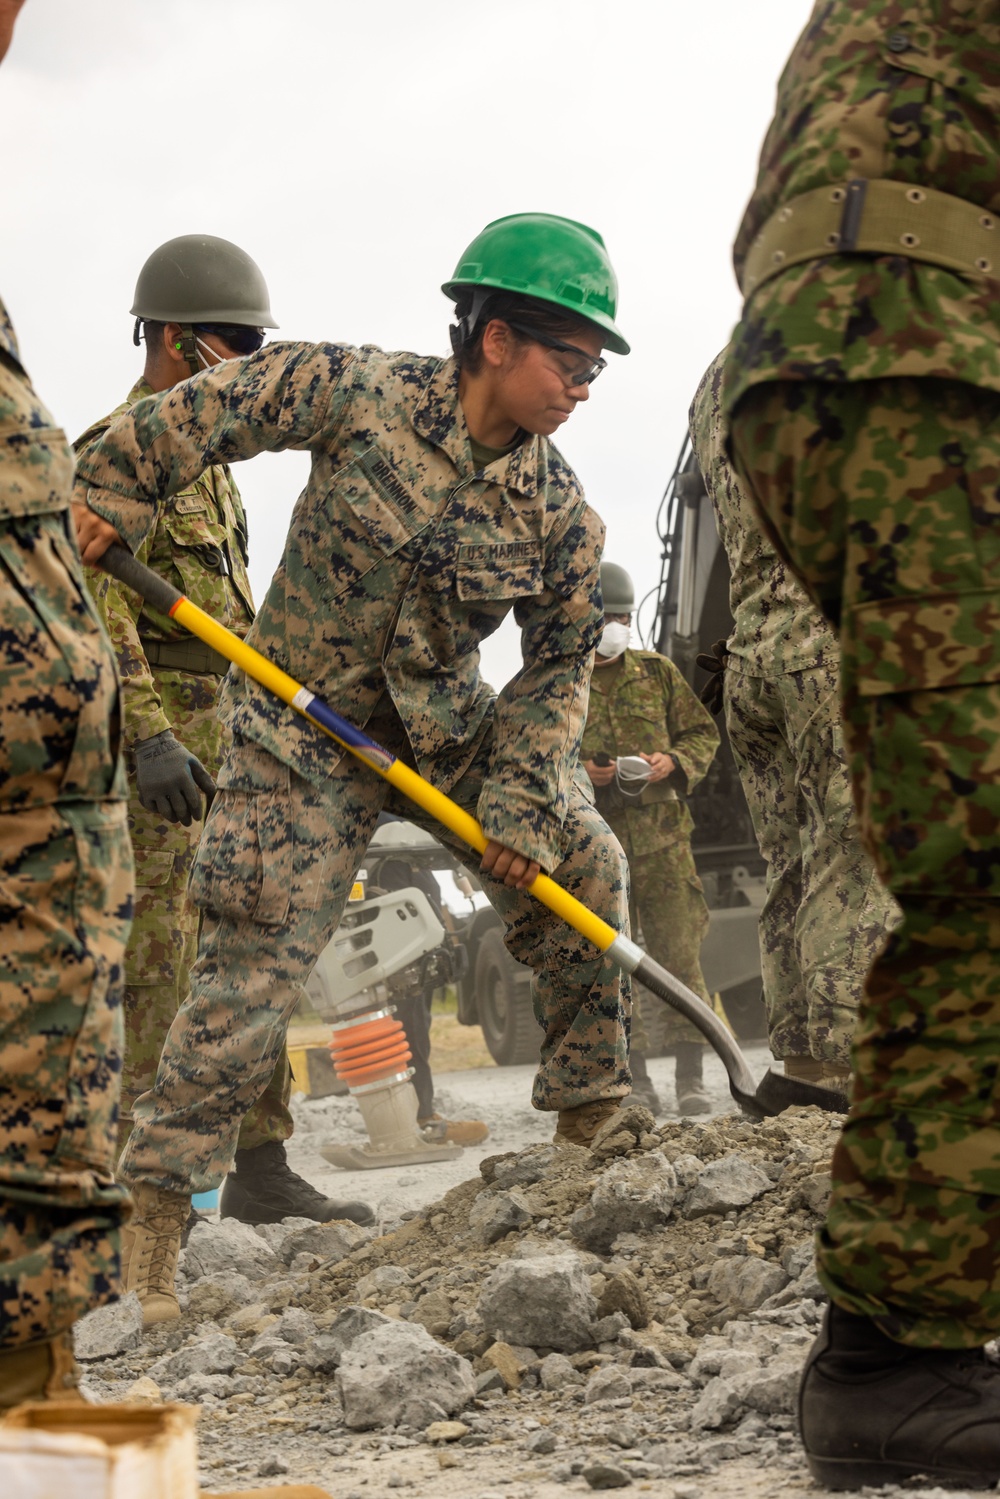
184,655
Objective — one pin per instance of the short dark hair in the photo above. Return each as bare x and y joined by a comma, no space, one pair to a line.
545,317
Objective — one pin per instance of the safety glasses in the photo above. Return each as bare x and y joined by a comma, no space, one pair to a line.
235,336
579,368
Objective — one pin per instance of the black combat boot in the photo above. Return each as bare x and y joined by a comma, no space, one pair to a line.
263,1188
643,1090
873,1412
692,1095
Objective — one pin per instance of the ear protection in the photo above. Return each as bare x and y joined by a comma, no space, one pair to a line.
178,344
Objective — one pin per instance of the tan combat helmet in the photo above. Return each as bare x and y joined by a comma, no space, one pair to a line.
198,279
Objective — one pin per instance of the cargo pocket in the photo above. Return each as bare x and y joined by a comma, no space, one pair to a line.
908,644
244,865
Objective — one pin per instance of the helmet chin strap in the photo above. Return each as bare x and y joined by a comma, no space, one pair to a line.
188,348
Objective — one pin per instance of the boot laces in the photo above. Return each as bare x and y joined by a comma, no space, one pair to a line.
159,1252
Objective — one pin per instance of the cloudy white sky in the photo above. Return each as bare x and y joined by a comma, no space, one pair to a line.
354,150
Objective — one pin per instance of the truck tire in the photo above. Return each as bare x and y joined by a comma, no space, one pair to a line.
510,1030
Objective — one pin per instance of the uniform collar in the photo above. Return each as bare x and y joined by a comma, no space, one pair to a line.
439,418
140,390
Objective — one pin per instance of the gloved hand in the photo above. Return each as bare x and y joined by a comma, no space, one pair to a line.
715,662
170,779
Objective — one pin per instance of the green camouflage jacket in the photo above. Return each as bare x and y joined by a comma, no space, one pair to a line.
644,707
776,626
76,694
400,559
901,89
198,542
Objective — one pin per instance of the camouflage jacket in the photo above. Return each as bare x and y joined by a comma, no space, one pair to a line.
901,89
198,542
36,473
776,626
644,707
401,558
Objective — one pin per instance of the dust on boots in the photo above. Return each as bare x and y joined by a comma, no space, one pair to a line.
580,1125
873,1411
151,1242
263,1188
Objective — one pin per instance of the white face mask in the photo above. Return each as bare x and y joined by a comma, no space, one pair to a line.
614,639
208,355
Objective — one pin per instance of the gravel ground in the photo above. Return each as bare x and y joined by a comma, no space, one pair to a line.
523,1322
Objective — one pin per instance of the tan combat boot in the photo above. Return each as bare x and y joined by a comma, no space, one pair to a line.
833,1075
579,1126
39,1371
437,1130
151,1242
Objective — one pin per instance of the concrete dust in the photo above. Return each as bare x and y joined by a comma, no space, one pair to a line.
528,1321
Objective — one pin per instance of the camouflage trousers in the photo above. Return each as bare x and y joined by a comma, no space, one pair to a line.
66,883
273,874
668,904
883,496
825,912
164,940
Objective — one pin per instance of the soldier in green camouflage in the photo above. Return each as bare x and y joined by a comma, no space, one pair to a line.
67,903
199,300
863,386
825,912
641,706
435,506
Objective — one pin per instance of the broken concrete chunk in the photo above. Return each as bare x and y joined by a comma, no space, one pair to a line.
623,1293
109,1330
495,1214
398,1373
546,1303
556,1372
630,1196
723,1185
215,1354
743,1284
434,1312
228,1245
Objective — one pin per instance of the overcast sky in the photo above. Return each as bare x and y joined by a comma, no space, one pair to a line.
354,150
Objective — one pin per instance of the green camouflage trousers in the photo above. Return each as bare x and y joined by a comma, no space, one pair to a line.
273,874
164,938
883,495
66,883
668,903
825,912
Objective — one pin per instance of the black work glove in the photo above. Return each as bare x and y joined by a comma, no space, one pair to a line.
714,662
170,779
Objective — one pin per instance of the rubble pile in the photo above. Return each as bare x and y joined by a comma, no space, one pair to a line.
635,1312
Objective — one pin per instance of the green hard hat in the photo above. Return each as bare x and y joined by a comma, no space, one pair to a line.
553,259
617,588
197,278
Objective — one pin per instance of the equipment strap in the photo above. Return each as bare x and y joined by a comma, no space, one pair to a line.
184,655
877,217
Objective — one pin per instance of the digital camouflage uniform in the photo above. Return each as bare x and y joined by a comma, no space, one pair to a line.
825,912
401,558
67,882
864,393
170,681
642,705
